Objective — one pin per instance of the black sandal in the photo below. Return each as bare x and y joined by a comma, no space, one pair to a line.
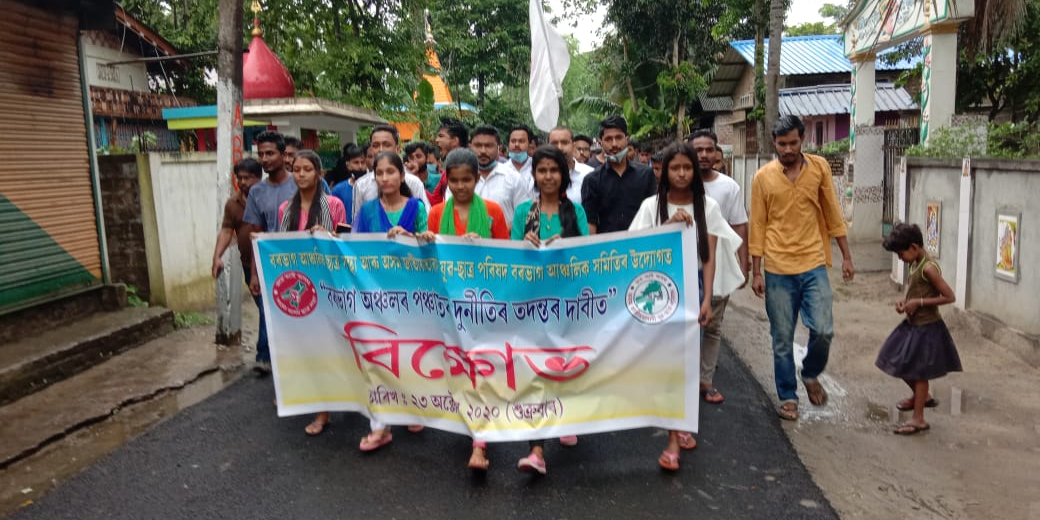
908,404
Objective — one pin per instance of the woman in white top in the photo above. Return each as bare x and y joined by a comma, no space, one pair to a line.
680,198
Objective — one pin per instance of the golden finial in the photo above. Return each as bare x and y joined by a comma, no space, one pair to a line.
255,7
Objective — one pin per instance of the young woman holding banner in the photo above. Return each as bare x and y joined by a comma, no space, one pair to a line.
466,214
311,209
550,215
396,211
680,198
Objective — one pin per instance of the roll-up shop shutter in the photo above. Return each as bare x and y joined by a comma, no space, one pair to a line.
48,229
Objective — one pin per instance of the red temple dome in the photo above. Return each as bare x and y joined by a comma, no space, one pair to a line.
263,74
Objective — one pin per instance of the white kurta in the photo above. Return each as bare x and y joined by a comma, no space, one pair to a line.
728,276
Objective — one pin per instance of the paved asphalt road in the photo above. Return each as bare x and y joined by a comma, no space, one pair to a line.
231,457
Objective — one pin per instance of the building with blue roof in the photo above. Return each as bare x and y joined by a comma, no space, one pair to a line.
815,84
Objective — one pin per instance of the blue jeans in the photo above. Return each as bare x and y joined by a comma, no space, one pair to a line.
263,352
786,295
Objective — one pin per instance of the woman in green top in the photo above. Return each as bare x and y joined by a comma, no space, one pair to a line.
550,215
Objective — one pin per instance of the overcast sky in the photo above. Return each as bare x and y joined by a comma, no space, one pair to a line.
586,31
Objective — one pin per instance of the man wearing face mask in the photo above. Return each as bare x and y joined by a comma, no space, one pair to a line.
498,182
613,192
519,143
417,163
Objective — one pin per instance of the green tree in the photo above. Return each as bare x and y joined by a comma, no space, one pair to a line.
667,47
835,12
364,52
190,26
810,29
1005,74
749,16
486,42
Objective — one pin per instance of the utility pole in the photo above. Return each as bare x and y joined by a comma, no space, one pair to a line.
229,152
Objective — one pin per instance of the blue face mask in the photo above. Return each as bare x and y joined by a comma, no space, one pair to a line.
618,157
433,177
518,156
432,180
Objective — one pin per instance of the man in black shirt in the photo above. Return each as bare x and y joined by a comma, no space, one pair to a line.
613,192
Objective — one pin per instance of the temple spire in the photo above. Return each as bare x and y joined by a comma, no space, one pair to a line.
256,18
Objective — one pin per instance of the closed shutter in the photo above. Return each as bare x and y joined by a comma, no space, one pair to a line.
48,229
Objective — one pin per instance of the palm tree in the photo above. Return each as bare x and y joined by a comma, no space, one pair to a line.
776,27
995,21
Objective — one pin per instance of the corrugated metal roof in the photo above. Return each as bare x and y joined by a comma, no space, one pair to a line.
819,54
716,104
836,99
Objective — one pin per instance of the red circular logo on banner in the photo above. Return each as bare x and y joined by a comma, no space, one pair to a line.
295,294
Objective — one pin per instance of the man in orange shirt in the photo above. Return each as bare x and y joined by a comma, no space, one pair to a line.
794,214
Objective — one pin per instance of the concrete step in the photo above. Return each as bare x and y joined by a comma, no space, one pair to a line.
33,363
159,367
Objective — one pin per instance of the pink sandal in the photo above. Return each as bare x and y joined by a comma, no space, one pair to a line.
669,461
477,465
686,441
372,443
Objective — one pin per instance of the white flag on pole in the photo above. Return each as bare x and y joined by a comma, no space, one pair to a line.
550,60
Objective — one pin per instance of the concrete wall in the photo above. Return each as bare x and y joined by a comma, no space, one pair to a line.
744,168
994,185
937,180
124,228
866,174
1010,185
181,215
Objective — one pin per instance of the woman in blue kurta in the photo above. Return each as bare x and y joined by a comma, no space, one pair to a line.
396,211
548,216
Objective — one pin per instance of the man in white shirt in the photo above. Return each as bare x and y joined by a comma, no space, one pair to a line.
519,163
727,193
498,182
384,139
563,138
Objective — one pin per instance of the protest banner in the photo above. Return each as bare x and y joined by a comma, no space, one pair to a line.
488,338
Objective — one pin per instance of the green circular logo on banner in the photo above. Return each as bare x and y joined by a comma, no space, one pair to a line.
652,297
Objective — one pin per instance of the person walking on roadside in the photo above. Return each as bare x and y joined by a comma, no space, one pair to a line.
920,348
613,192
794,214
310,208
727,193
247,173
466,214
681,198
548,215
265,197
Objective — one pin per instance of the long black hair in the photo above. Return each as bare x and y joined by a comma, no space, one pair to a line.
314,215
396,161
696,186
568,215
